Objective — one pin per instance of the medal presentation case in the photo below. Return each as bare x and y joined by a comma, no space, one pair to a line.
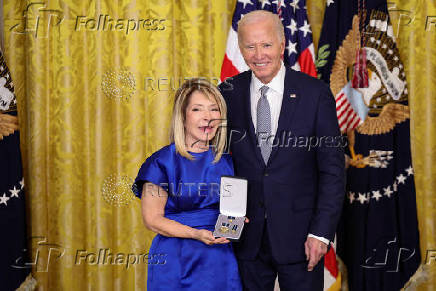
233,207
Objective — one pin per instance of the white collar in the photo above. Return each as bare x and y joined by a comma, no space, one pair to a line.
277,83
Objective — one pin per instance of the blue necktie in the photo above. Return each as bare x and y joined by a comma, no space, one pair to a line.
264,124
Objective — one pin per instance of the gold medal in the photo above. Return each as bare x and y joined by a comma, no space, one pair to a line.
224,229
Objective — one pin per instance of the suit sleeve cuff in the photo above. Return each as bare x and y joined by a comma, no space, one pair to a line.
320,238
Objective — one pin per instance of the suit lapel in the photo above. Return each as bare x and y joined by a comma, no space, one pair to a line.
291,98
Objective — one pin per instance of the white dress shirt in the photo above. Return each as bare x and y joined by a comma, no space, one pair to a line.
274,95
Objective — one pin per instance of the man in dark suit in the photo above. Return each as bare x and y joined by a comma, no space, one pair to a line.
285,139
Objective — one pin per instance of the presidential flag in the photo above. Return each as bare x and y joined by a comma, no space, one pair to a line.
13,268
378,237
299,51
299,54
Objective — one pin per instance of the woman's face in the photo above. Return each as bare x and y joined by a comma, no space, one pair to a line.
202,119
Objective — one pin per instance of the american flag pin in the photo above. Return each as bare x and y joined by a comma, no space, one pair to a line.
293,96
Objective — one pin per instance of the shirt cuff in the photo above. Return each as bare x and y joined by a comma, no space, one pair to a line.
320,238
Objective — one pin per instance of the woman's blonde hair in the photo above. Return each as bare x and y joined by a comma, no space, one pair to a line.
182,98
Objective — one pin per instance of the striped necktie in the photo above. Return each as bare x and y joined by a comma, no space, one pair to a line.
264,124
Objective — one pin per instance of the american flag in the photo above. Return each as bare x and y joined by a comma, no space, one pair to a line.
299,54
299,51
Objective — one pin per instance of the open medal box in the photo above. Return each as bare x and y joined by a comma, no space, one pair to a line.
233,207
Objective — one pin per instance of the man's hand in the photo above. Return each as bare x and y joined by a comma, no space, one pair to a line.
315,250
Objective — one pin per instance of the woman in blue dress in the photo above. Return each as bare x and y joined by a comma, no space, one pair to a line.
179,186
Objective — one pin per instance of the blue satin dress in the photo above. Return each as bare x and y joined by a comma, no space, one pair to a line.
193,200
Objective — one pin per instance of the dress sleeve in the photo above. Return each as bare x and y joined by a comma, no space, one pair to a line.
153,171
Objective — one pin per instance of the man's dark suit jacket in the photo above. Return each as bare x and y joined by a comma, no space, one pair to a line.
302,187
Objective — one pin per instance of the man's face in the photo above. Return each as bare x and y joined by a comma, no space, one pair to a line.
262,49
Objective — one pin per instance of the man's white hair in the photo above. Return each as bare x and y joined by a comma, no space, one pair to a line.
259,15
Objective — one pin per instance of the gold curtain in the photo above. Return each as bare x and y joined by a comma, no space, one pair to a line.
415,25
94,101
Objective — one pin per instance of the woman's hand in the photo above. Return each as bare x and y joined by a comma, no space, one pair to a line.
207,237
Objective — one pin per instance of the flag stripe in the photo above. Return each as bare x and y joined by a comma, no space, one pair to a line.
344,117
330,262
346,109
228,69
306,62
